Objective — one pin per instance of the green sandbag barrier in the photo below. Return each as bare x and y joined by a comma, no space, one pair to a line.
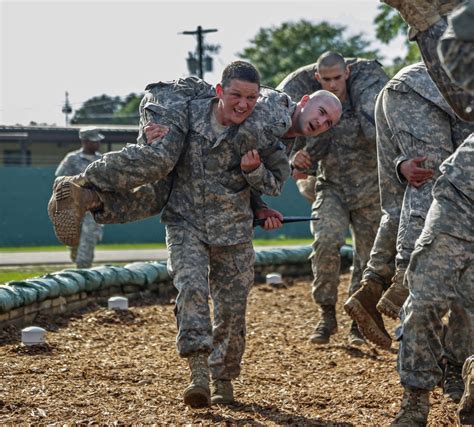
72,281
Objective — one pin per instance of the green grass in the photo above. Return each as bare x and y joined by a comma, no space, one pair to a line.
18,273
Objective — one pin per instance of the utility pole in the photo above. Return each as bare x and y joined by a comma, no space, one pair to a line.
200,48
67,109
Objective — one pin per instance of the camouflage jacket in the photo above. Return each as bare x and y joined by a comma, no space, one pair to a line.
346,154
453,210
211,196
76,162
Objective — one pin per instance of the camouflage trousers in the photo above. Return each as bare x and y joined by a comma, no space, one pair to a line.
91,234
329,236
440,278
225,274
140,203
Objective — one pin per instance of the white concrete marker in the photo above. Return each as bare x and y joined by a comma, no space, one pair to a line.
118,303
274,279
32,335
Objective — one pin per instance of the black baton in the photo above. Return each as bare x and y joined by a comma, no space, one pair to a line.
286,219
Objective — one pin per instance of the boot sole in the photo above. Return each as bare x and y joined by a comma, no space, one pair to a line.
388,308
197,397
66,226
367,326
322,341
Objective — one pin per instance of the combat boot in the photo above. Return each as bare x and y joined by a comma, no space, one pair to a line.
415,408
326,327
466,406
361,307
355,338
198,394
394,297
67,207
222,392
453,385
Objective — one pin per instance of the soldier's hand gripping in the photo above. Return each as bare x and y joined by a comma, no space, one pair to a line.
273,218
414,173
250,161
301,160
154,131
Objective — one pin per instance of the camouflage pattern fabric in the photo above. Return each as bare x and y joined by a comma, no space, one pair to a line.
461,101
423,125
329,236
440,276
230,273
134,176
211,195
347,171
456,47
91,232
380,266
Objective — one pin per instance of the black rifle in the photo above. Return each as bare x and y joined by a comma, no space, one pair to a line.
286,219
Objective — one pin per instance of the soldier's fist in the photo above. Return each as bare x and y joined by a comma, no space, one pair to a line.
250,161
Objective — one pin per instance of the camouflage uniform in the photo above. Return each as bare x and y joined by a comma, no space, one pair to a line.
91,232
208,215
440,274
422,124
346,188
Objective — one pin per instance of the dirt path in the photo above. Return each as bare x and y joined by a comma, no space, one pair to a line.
107,367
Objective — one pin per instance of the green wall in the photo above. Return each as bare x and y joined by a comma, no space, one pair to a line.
24,219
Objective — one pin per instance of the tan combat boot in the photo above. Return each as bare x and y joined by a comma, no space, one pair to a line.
466,406
414,410
67,207
222,392
394,297
326,327
198,394
361,307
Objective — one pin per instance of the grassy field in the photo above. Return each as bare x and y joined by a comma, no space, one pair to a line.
131,246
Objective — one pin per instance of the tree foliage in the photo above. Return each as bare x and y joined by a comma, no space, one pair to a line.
105,109
388,26
277,51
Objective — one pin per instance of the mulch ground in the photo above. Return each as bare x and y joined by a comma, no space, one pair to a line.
101,366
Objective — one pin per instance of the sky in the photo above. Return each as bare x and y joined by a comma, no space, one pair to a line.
116,47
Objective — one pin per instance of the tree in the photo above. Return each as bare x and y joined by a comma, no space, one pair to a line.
128,113
277,51
389,25
106,109
97,110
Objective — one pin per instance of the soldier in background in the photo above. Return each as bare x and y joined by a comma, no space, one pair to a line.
73,164
441,272
346,192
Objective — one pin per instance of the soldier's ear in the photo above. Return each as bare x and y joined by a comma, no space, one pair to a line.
304,100
219,90
317,77
347,73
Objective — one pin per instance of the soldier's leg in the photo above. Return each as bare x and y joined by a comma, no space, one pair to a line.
439,276
188,265
231,276
91,234
329,236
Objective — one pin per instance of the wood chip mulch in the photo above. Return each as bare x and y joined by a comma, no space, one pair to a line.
110,367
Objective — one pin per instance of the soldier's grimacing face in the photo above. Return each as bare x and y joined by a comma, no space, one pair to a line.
333,79
236,101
